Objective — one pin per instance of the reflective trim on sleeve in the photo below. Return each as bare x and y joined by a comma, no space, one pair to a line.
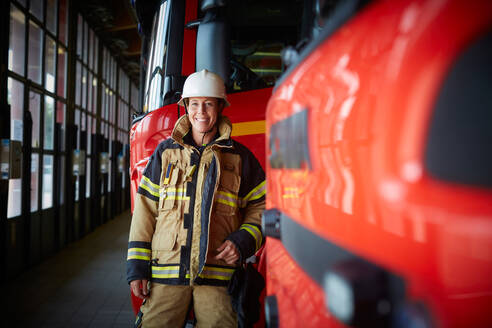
138,254
148,185
257,192
255,232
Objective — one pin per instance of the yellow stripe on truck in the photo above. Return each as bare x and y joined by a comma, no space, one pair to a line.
247,128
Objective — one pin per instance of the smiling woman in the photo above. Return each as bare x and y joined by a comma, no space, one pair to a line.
208,192
203,113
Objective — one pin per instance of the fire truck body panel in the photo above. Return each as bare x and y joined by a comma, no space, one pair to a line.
365,98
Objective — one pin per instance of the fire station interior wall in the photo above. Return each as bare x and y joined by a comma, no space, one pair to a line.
67,100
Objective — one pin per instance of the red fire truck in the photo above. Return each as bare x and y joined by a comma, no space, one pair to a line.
379,170
239,40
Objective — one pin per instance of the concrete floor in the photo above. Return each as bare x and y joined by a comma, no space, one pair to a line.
84,285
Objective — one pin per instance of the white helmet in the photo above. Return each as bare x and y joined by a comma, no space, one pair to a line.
204,84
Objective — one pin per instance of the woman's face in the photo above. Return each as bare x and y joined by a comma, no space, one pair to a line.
203,113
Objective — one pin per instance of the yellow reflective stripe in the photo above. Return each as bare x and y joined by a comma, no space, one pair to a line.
165,268
153,193
212,276
257,192
252,230
138,257
165,275
171,189
147,180
142,250
210,272
226,202
191,171
174,193
178,197
166,271
228,270
255,228
227,194
248,128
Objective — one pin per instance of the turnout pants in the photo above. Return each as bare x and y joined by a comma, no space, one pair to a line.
168,306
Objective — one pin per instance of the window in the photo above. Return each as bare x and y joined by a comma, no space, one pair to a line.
35,52
34,181
17,38
152,98
51,13
35,109
36,8
50,60
63,22
62,72
49,122
47,196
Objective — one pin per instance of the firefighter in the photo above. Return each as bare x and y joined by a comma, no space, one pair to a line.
197,214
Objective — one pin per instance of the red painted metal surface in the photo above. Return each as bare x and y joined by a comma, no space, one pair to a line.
370,91
189,39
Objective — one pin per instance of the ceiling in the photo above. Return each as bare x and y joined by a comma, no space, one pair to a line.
115,22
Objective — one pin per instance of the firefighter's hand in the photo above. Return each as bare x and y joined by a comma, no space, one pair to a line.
139,288
228,252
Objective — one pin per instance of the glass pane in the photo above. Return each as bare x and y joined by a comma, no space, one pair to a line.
89,92
84,87
85,49
77,184
89,133
78,77
62,72
62,20
22,2
109,175
34,181
60,119
88,178
77,123
47,199
49,122
91,48
51,8
80,35
36,8
35,52
15,98
82,121
17,40
50,58
14,201
61,197
94,99
96,53
34,108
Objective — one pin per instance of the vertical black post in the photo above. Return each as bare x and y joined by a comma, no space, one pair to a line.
26,176
71,128
56,189
4,129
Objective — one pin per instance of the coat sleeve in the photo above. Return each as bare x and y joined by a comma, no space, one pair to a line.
143,220
249,237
